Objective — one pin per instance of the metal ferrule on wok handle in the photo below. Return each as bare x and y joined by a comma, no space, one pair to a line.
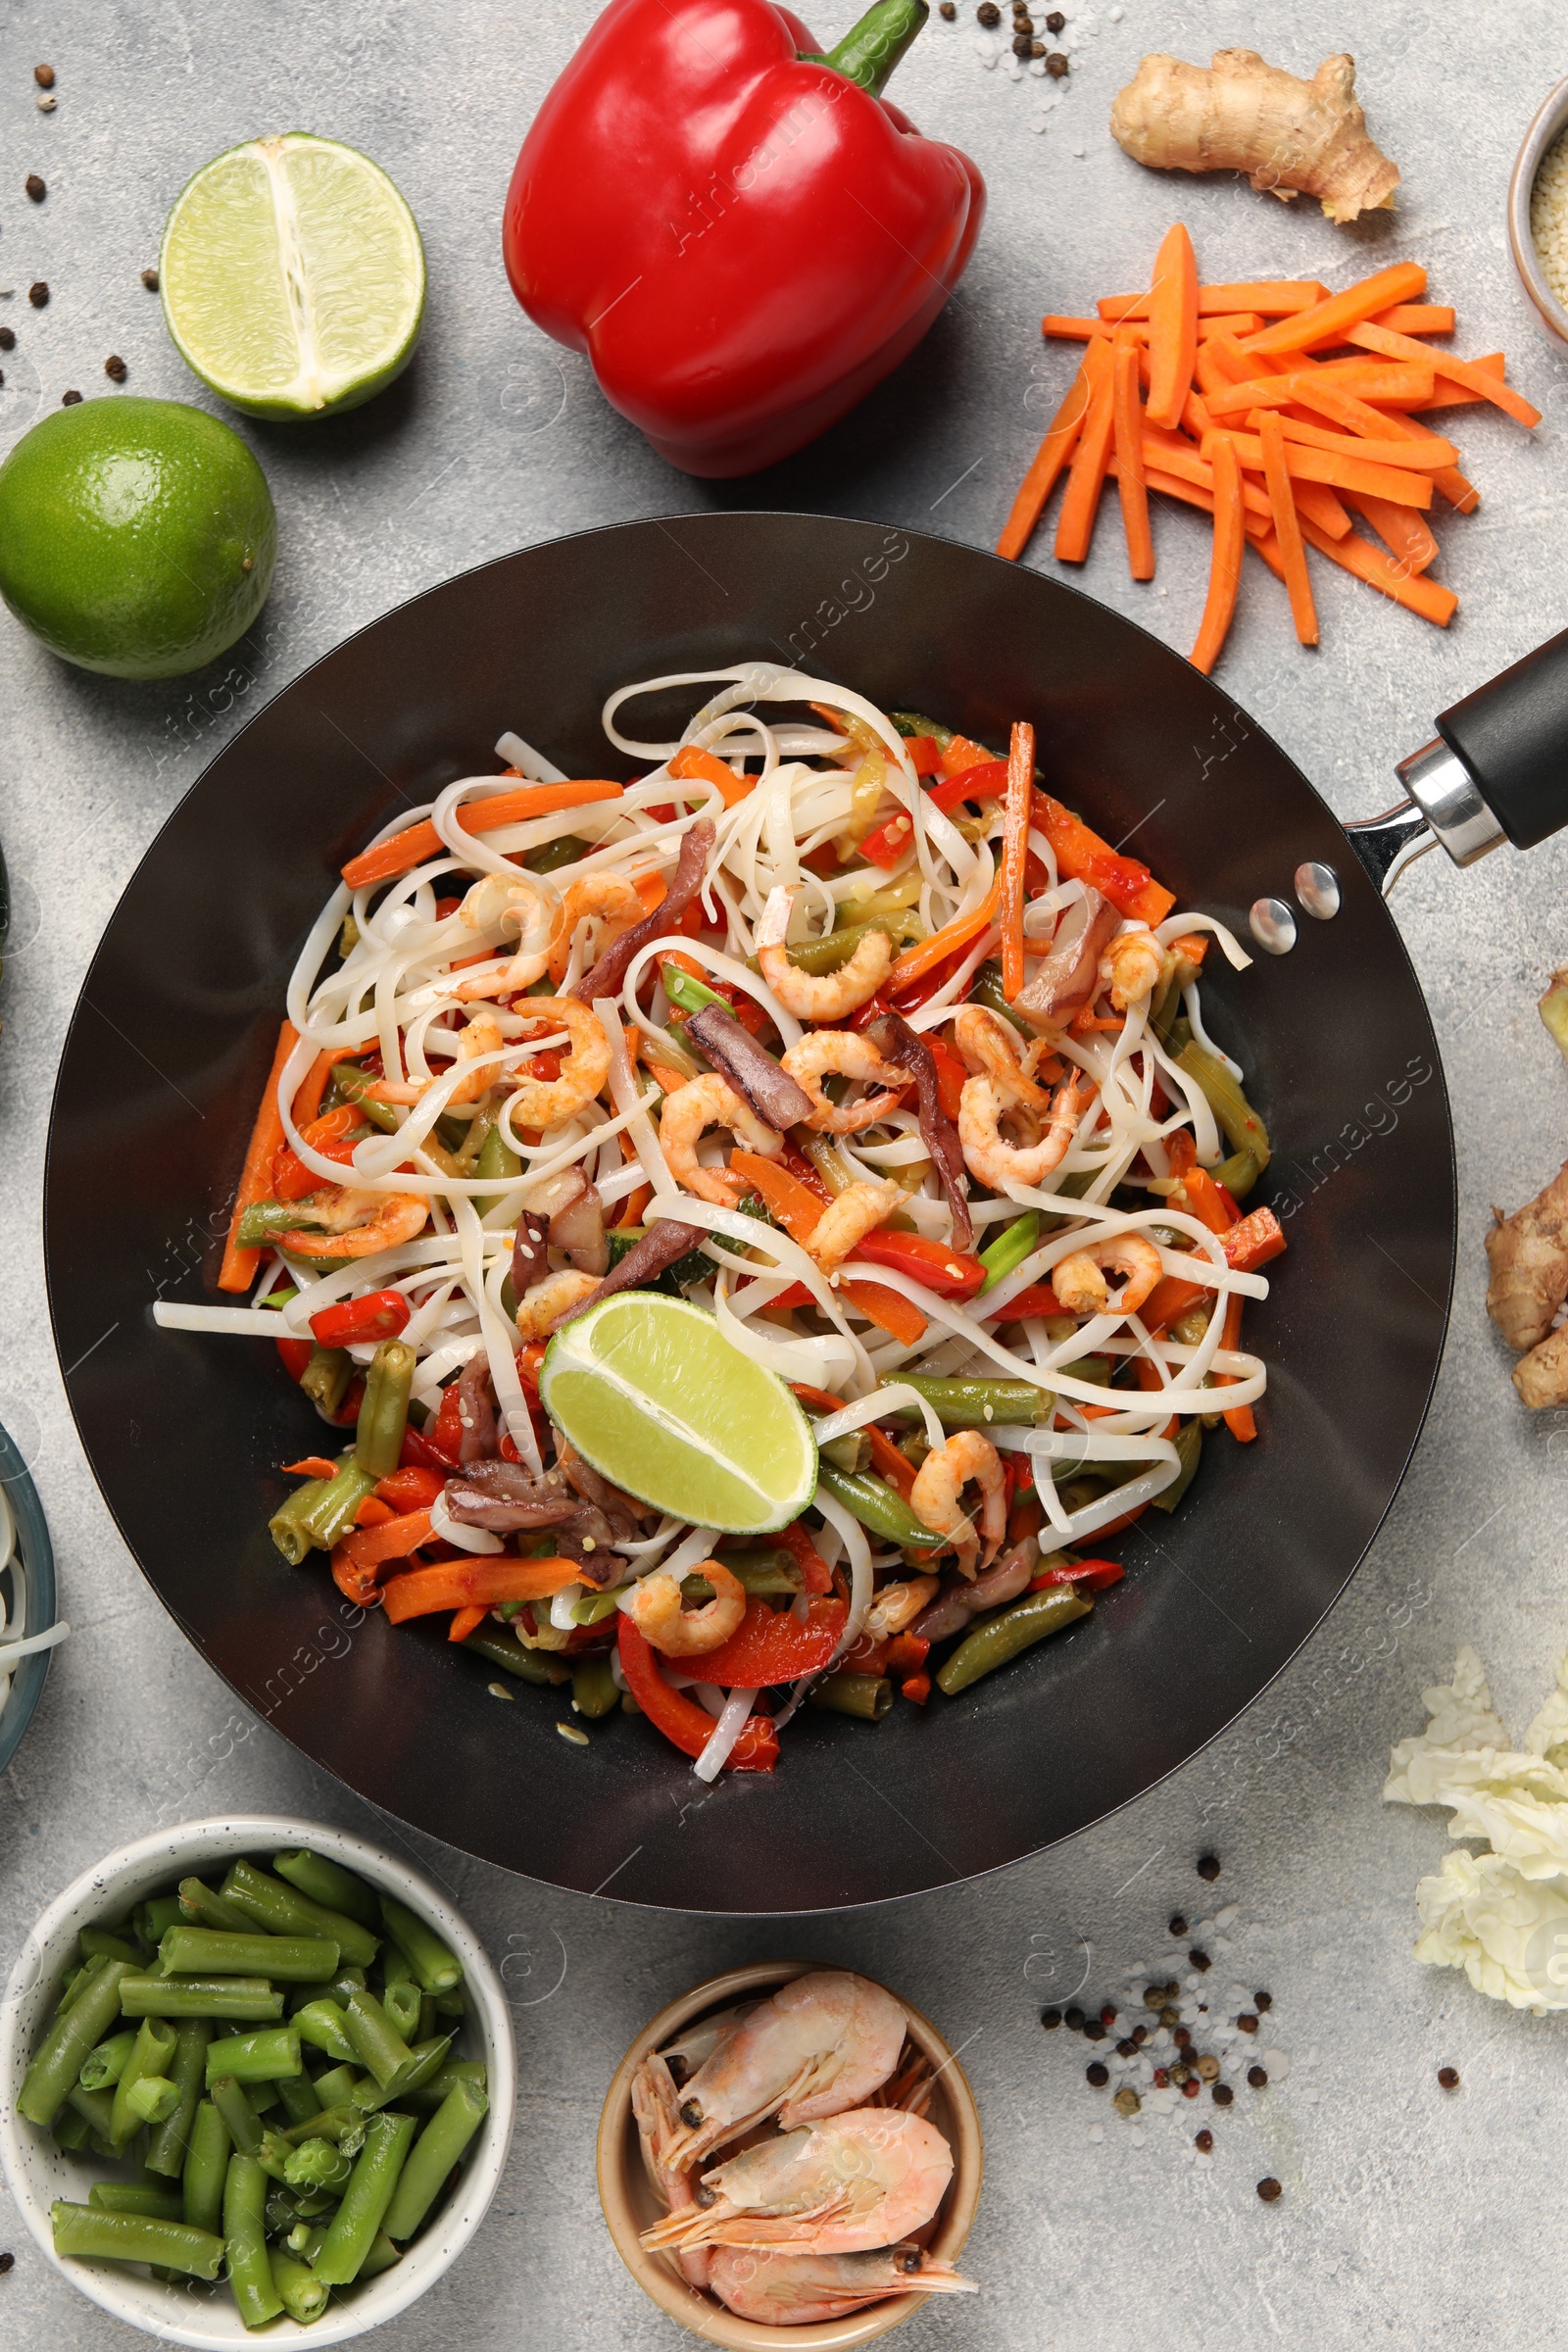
1497,770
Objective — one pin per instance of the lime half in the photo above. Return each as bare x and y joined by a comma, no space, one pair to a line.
292,277
651,1394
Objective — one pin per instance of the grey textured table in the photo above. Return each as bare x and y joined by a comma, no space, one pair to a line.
1409,2215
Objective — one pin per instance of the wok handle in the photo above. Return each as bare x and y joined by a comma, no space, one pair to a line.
1512,737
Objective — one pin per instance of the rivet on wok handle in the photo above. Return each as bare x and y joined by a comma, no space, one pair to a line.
1317,890
1273,926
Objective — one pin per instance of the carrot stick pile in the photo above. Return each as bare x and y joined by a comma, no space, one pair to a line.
1283,410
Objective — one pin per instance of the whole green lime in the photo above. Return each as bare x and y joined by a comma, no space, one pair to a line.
137,537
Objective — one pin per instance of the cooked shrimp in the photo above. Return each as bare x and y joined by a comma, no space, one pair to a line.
992,1044
844,2186
655,1608
543,1102
1134,964
851,1057
552,1300
858,1209
991,1159
939,1482
397,1218
609,895
493,903
481,1035
897,1606
793,2290
688,1113
835,994
824,2042
1081,1287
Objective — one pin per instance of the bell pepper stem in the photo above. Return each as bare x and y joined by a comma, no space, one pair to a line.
870,49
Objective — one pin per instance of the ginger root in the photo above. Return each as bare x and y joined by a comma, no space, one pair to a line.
1242,114
1528,1258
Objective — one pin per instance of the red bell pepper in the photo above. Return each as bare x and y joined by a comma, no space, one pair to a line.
774,1646
378,1315
680,1718
1093,1575
947,1273
410,1487
986,781
296,1354
739,232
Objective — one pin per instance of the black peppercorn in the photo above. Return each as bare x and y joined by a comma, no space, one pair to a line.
35,188
149,279
1127,2048
987,14
115,368
1075,2019
1056,20
1256,2076
1208,1865
948,11
1097,2075
1020,44
1449,2076
1204,2139
44,76
1051,2019
69,400
1056,65
39,293
1177,1924
1222,2095
1262,2000
1037,48
7,338
1247,2021
1139,2035
1201,1961
1269,2189
8,2262
1093,2030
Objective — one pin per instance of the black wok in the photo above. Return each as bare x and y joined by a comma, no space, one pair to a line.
171,1039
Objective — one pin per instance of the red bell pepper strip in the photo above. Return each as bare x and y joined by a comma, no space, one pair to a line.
986,781
292,1180
774,1646
378,1315
410,1487
699,161
924,755
1096,1575
815,1575
681,1719
907,1652
442,1438
916,1687
296,1354
948,1273
1038,1300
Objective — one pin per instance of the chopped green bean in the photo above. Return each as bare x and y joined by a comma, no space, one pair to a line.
352,1085
878,1506
915,723
287,1527
985,989
255,2057
58,2060
428,2097
103,2067
297,2096
283,1911
70,2129
834,949
77,1980
328,1882
437,1969
245,2254
302,2293
250,1999
593,1688
335,1990
97,1944
400,1994
151,2054
240,2119
1000,1637
451,2004
197,1901
321,2025
438,2148
1238,1174
325,1378
220,1952
336,2088
317,2164
328,1520
354,2225
1189,1443
272,2156
384,1413
867,1695
429,2058
505,1650
150,2100
850,1452
687,993
975,1404
1243,1129
563,849
87,2233
376,2041
96,2109
135,2196
383,2256
206,2168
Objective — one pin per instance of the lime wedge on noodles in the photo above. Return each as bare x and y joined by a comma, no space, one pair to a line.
292,277
651,1394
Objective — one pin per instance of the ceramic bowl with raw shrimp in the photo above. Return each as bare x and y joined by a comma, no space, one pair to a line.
634,2206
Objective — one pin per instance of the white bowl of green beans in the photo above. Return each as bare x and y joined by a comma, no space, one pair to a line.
206,2153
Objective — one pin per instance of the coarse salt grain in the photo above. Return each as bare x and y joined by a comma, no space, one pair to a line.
1549,216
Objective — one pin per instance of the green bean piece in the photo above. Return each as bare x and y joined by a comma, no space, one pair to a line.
87,2233
370,2188
915,723
505,1650
975,1404
263,2095
304,2297
283,1911
152,2054
59,2058
834,949
317,2164
328,1882
498,1161
206,2168
1006,1254
240,2119
877,1506
97,1944
103,2067
436,1968
135,2196
282,2210
201,1908
255,2057
429,2015
428,2097
77,1980
1239,1123
384,1414
334,2088
325,1378
430,2057
297,2097
335,1990
152,2099
278,1299
305,2241
439,2147
851,1452
867,1695
351,1084
400,1994
1000,1637
155,1917
761,1569
70,2129
1189,1443
245,2254
376,2041
272,2156
325,1523
218,1953
1238,1174
593,1688
96,2109
383,2256
249,1999
451,2004
985,989
321,2025
287,1528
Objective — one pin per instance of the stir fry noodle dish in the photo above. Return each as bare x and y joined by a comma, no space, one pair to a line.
757,1228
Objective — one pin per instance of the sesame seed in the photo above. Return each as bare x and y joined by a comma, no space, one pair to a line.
569,1731
500,1690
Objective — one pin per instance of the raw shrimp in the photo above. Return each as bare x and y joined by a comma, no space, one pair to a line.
833,995
842,2186
543,1102
653,2103
939,1482
858,1209
793,2290
1081,1287
654,1610
824,2042
850,1056
494,902
481,1035
552,1300
1134,964
700,1103
397,1218
609,895
995,1163
992,1044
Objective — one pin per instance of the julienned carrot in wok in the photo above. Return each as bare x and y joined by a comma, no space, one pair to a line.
892,1066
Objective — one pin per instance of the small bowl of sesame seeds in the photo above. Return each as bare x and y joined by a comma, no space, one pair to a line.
1537,216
